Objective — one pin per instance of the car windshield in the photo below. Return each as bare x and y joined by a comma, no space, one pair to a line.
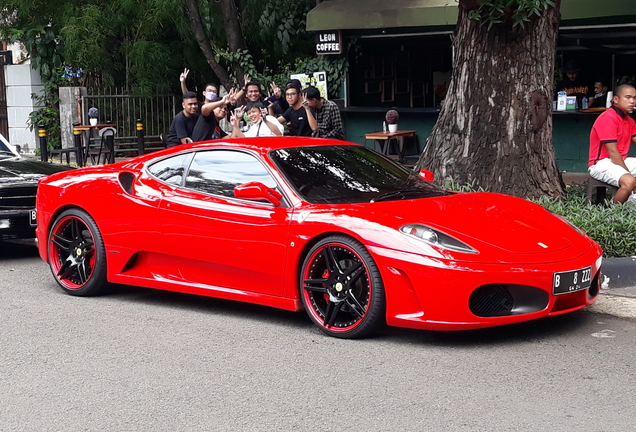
348,174
5,152
6,155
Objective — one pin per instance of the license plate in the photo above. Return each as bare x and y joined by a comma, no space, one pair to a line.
570,281
32,218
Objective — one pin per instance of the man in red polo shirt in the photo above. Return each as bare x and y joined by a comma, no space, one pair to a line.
611,136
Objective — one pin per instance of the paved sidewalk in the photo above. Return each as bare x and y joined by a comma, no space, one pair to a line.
618,302
618,289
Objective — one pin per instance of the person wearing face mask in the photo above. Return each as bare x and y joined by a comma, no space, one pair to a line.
210,91
600,94
212,114
261,124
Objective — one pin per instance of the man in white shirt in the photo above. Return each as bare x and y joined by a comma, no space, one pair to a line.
261,124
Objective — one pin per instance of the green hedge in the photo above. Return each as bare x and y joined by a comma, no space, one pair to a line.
612,226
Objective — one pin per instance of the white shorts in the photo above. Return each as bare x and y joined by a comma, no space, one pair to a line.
607,171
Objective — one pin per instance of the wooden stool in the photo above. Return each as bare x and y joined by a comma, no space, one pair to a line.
597,190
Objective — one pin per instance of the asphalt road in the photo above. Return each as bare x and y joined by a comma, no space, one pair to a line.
143,360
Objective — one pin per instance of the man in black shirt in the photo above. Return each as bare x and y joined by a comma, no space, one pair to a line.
183,123
207,127
296,114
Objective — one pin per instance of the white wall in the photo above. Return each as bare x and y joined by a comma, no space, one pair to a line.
21,81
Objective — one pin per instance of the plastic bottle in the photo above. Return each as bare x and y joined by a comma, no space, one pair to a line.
584,103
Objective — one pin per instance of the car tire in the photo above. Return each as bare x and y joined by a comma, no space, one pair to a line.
76,254
341,288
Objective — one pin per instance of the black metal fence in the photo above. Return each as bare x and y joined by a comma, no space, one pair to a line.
156,112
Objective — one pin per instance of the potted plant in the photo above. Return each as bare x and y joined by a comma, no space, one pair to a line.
93,113
392,118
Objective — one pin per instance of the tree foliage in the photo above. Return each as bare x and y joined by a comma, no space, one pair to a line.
143,45
126,43
265,40
515,12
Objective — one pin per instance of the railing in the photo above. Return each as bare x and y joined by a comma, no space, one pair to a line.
155,112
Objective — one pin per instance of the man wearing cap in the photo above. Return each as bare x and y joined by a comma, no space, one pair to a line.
612,134
573,85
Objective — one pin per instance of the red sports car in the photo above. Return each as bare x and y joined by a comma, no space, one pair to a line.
330,227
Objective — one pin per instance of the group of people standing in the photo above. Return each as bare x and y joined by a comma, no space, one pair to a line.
246,113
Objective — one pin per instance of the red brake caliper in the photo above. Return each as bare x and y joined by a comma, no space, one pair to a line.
325,275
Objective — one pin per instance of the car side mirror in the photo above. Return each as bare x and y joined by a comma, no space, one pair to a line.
258,191
427,175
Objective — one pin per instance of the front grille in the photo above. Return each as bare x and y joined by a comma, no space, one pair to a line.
17,197
495,300
491,300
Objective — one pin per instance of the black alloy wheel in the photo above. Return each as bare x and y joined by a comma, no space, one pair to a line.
76,254
342,289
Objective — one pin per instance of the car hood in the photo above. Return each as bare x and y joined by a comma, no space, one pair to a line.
494,224
17,170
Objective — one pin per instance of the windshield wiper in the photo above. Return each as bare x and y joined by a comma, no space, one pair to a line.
401,193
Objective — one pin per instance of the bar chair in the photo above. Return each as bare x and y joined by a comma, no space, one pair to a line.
106,146
597,190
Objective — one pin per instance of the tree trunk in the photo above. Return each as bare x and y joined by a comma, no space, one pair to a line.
199,34
233,33
495,127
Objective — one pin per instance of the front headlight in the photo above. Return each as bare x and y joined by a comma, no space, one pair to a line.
436,238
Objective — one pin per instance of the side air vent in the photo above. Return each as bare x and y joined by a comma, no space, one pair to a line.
126,180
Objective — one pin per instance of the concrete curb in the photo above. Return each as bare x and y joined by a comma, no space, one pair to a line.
618,289
608,304
619,272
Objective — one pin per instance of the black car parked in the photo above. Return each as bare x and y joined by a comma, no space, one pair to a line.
18,184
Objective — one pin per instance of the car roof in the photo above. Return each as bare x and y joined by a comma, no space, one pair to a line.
266,144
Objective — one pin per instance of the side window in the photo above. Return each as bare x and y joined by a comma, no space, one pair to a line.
170,170
219,171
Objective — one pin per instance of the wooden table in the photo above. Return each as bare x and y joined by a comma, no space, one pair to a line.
382,141
87,132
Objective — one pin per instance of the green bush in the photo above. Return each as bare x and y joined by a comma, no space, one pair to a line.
612,226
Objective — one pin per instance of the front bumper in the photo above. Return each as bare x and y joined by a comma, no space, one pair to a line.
432,294
17,224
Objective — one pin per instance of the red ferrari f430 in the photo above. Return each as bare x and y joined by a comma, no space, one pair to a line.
329,227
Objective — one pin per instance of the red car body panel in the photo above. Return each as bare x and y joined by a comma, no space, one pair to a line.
171,238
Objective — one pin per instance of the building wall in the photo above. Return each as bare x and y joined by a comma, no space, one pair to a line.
570,133
21,81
